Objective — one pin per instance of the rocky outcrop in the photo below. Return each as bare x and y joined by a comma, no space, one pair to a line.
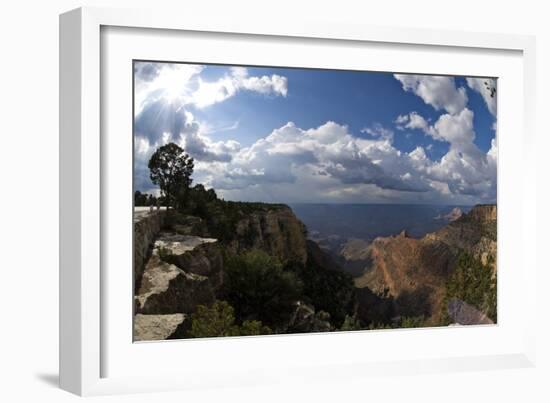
165,288
413,271
276,231
180,267
452,215
156,327
192,254
465,314
181,272
186,225
147,224
474,233
354,256
306,320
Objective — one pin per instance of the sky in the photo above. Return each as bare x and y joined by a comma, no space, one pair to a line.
293,135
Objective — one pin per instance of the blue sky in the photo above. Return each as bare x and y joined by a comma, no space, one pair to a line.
303,135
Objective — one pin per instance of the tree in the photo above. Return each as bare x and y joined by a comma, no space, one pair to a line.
140,199
199,200
171,169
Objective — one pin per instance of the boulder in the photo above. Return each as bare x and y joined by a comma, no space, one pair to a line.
192,254
156,327
465,314
306,320
167,289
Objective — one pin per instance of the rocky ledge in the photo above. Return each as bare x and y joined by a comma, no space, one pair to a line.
156,327
181,272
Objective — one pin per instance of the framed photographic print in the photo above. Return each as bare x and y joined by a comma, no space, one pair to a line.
237,198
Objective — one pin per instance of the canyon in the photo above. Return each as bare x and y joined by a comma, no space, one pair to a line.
179,264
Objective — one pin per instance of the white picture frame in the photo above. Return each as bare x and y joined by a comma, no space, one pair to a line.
86,346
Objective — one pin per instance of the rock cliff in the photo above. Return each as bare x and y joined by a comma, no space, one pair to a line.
147,224
413,272
275,231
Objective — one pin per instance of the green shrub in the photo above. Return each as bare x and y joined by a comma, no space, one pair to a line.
351,323
253,328
412,321
214,321
218,320
380,326
259,289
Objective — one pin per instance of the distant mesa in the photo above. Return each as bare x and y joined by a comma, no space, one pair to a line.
453,215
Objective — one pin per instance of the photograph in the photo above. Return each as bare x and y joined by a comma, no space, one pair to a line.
274,200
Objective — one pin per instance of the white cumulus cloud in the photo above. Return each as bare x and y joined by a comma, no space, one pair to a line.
487,88
183,83
437,91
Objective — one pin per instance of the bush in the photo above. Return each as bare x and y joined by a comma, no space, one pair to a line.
256,285
215,321
412,321
351,323
218,320
253,328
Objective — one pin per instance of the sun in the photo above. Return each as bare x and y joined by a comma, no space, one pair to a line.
176,81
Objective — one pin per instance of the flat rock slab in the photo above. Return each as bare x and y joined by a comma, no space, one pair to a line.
177,244
156,327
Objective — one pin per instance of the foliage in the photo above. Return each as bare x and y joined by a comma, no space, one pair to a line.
198,201
164,254
328,290
253,328
219,320
351,323
404,322
146,200
474,283
257,286
380,326
412,322
223,216
171,169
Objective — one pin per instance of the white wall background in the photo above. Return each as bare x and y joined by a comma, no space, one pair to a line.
29,200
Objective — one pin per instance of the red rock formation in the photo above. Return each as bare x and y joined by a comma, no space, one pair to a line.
414,271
